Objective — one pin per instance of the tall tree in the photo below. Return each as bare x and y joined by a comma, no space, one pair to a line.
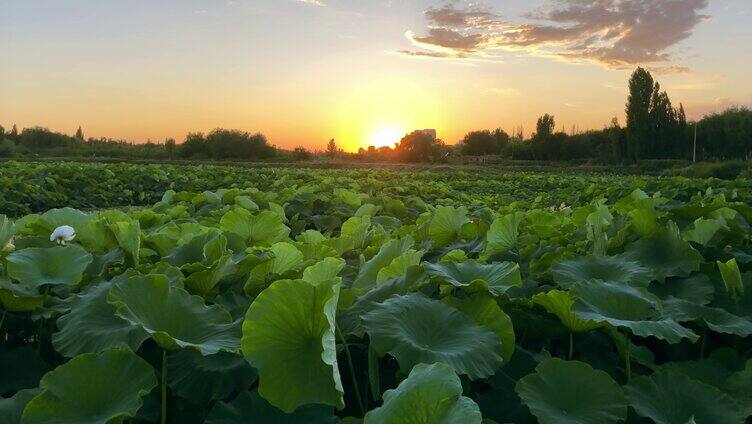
79,133
638,113
680,137
480,143
420,146
13,134
663,124
170,147
545,127
331,148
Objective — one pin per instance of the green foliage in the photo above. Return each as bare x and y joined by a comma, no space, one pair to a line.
430,394
415,329
288,335
92,389
667,398
572,392
300,295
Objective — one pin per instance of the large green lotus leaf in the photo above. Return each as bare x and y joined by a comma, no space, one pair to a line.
704,230
96,236
399,265
173,317
671,398
6,231
54,218
355,229
92,389
246,202
288,336
92,325
431,394
483,310
19,298
732,278
285,258
128,235
696,289
325,270
625,306
502,235
194,251
446,224
389,251
561,392
22,369
349,320
12,408
739,387
737,302
53,266
263,229
716,319
606,268
415,329
202,379
722,374
205,279
665,254
560,303
167,237
497,277
249,407
101,262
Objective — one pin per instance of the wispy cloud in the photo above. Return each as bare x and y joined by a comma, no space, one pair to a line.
614,33
312,2
505,91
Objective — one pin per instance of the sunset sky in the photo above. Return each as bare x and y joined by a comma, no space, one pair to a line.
359,71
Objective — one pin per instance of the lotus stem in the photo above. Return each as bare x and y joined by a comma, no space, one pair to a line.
571,345
164,386
352,371
628,360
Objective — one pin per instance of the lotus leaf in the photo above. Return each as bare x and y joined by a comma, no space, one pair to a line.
415,329
431,394
92,388
288,336
572,392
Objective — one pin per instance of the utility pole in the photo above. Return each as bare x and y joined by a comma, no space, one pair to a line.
694,148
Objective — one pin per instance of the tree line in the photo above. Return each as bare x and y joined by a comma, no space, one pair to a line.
219,144
654,129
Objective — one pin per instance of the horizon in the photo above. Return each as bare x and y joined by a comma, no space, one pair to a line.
305,71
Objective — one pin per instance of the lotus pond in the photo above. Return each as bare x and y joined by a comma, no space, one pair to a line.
156,293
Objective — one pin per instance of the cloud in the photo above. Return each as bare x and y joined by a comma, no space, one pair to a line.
312,2
506,91
615,33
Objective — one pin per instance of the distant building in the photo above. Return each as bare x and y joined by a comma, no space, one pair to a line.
428,132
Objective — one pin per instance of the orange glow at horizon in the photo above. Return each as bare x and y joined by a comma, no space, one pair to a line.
386,136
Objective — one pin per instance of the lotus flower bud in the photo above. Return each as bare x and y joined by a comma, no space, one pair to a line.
63,234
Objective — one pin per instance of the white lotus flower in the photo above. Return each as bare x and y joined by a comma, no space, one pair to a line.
63,234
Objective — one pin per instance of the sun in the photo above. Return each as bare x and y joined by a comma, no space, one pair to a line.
385,136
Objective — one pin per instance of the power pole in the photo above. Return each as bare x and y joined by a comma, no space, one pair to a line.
694,148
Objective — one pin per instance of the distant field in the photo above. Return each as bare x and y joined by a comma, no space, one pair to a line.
223,294
38,186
